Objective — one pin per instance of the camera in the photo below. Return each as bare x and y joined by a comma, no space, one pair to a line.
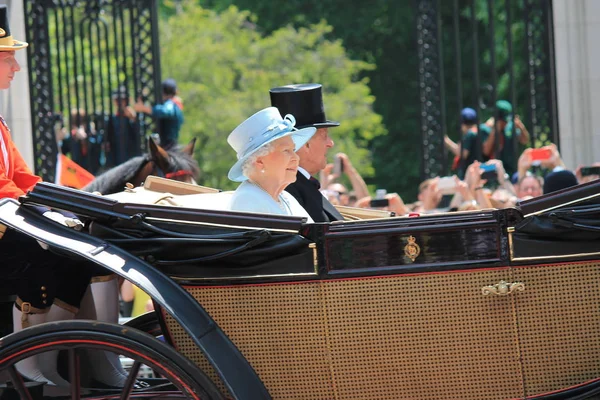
338,166
447,185
587,171
489,172
540,154
377,203
379,200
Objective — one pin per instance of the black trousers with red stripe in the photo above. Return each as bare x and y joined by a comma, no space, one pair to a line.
40,276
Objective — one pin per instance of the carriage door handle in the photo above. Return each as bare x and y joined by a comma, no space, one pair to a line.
503,288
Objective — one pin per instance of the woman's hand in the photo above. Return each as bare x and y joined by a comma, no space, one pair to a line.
524,163
396,204
473,176
554,160
463,189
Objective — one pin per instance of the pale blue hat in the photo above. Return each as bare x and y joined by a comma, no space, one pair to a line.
262,128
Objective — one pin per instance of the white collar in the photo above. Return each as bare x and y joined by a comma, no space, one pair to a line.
304,172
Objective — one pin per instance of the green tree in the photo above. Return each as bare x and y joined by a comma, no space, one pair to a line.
383,33
225,66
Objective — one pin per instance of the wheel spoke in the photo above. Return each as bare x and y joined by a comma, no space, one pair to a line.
17,381
180,378
128,387
74,374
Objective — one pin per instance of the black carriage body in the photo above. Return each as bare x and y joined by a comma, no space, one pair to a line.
489,304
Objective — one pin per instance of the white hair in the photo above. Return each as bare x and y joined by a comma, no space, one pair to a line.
249,165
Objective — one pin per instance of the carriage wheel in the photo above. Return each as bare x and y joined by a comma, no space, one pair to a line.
147,322
185,379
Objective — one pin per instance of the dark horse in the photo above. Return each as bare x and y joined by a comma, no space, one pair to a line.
177,163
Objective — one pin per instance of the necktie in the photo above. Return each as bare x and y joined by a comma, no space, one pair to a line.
315,182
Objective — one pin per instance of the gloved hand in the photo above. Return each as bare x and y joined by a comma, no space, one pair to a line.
71,222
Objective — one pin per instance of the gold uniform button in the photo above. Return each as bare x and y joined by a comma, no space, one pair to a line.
43,288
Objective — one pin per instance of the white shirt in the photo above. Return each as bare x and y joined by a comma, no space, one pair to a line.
304,172
307,175
251,198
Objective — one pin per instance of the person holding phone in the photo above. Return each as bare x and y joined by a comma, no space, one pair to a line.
547,157
509,128
305,103
343,166
384,201
588,173
465,151
429,196
168,115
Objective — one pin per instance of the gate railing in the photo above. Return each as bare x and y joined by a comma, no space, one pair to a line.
514,61
80,52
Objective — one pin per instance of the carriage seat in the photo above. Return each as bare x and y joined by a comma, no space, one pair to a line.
204,201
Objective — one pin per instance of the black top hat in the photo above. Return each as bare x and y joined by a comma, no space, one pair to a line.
7,43
304,101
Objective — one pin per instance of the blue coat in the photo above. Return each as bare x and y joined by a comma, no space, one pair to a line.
169,118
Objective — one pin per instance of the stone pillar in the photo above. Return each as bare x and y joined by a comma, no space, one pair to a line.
14,102
576,32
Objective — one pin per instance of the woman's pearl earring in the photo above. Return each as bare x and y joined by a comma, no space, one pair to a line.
262,170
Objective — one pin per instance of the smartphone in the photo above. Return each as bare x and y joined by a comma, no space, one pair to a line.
489,172
447,185
338,166
377,203
587,171
540,154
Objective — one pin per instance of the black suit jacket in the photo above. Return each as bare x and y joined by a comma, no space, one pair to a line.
312,200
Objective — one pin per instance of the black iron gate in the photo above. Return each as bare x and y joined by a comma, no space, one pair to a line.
514,62
83,55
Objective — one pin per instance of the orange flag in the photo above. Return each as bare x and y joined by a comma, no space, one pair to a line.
72,174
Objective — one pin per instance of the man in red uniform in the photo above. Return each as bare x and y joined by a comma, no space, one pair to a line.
40,278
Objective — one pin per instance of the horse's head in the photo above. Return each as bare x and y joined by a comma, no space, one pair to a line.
177,163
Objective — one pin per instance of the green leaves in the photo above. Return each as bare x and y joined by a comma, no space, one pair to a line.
225,66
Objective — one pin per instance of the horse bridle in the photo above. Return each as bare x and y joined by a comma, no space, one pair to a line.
171,175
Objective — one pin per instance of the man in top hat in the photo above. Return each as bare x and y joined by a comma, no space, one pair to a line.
305,103
510,129
122,137
40,278
169,114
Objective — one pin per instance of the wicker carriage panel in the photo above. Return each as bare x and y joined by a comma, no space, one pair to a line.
426,336
280,329
429,336
559,325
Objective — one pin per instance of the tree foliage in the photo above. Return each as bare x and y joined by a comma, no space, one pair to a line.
380,32
225,66
383,33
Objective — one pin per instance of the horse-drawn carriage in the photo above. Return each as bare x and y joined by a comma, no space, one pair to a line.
491,304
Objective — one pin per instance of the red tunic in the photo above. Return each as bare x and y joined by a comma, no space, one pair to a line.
16,179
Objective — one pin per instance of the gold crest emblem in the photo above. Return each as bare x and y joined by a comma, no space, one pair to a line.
412,249
2,32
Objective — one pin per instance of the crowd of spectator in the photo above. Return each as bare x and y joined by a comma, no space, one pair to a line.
488,171
100,141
